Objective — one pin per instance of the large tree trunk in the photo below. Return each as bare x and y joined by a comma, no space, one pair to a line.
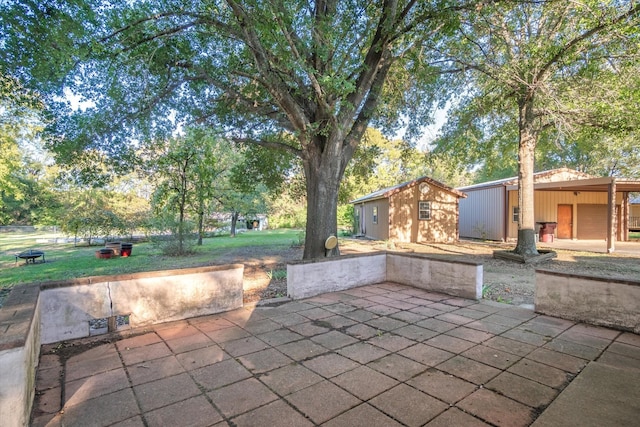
323,174
234,222
526,245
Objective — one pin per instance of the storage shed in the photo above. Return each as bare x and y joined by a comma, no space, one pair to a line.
585,207
422,210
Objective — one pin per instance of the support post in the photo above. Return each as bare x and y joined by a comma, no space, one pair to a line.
611,217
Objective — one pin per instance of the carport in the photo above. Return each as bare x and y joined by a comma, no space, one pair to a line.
609,185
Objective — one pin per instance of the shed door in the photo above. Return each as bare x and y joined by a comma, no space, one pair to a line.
592,222
565,221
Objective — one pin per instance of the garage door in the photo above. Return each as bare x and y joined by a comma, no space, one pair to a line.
592,222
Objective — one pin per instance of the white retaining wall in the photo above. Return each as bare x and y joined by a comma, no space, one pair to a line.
597,300
147,298
459,278
35,315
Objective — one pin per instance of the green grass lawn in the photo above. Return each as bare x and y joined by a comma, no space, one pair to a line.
65,261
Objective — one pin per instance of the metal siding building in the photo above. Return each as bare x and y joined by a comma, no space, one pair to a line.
480,213
585,207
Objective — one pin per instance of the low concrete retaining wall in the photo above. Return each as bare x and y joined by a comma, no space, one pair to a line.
19,354
51,312
147,298
308,278
454,277
600,301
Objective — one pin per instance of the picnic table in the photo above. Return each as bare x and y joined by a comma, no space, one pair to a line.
30,256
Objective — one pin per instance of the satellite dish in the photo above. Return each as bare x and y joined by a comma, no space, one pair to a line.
331,242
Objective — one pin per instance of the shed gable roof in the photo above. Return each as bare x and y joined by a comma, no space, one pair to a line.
385,193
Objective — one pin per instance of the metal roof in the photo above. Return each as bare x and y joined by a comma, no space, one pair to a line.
387,192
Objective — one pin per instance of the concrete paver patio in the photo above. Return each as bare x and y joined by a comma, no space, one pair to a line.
379,355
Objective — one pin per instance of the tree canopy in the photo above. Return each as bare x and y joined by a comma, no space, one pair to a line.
321,71
535,70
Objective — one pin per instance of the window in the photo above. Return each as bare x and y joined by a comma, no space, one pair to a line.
516,213
375,215
424,210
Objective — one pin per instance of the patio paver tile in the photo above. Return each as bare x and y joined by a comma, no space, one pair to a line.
94,386
79,368
585,339
562,361
426,311
138,341
154,370
279,337
510,346
165,391
274,414
489,327
241,397
195,359
227,334
526,337
334,340
360,315
454,318
415,333
221,374
149,352
596,331
503,320
264,360
468,334
436,325
308,329
334,401
261,326
543,374
99,410
449,343
425,354
338,321
364,382
190,342
175,331
629,338
290,319
382,310
525,391
497,409
455,417
625,350
408,405
407,316
398,367
330,365
289,379
363,415
443,386
471,313
302,350
243,346
619,360
361,331
193,412
491,356
391,342
386,323
363,352
316,313
470,370
574,349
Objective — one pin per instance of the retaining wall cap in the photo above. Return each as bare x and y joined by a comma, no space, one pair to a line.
140,275
590,277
